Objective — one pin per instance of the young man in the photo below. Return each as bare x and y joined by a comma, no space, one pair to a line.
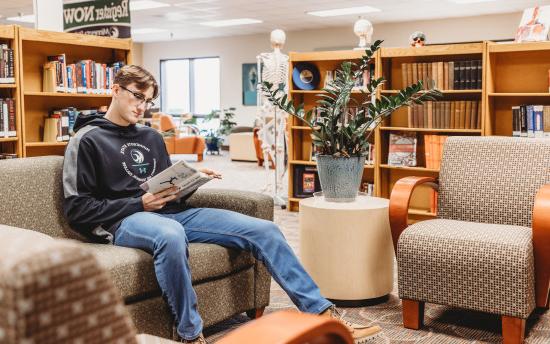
107,160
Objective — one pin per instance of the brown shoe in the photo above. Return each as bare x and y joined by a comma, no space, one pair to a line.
199,340
361,334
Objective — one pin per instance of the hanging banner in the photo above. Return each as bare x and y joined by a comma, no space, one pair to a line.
109,18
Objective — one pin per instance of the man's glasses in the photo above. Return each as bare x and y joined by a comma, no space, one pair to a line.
140,97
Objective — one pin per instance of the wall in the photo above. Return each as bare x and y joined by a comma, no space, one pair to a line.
236,50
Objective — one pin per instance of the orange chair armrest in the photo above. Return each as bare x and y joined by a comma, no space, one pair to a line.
287,327
399,203
541,244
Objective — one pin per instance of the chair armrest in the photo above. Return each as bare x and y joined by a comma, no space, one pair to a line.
249,203
541,244
399,203
288,327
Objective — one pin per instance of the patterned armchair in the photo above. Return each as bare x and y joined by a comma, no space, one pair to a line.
489,248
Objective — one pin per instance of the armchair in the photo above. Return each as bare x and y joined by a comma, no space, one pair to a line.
185,138
489,248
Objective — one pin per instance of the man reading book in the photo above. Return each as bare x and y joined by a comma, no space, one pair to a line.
108,159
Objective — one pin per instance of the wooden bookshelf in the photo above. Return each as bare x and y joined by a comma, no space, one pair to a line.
517,74
393,62
12,145
300,146
35,46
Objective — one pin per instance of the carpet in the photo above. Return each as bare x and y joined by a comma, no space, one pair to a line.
443,325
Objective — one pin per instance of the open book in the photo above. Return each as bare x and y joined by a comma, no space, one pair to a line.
180,174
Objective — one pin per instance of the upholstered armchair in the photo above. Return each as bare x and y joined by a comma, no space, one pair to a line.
184,139
489,248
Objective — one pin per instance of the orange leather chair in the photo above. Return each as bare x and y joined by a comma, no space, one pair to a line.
182,141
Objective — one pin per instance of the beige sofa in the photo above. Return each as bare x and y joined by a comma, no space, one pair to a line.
241,146
227,282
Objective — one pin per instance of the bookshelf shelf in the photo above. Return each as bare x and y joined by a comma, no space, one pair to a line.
319,92
518,47
8,85
36,105
434,50
303,162
421,212
408,168
9,139
300,127
443,91
432,130
46,144
61,94
518,94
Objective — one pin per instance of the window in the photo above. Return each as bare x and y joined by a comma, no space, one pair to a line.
190,85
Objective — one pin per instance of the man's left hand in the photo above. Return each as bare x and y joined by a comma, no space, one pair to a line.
211,173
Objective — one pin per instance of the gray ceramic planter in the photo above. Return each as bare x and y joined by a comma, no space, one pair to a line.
340,177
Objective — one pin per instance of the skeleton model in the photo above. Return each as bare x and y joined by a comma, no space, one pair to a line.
273,67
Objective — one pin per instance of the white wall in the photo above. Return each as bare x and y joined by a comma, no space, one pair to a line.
236,50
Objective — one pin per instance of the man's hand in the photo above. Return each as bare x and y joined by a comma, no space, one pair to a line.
157,201
211,173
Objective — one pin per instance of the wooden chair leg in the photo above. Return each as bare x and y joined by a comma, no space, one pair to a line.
255,313
513,330
199,157
413,314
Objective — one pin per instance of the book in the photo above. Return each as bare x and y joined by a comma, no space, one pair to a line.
402,149
186,178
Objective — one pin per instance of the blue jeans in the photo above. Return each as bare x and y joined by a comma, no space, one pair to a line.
167,236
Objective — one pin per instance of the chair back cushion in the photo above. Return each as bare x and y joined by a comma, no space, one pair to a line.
492,179
31,190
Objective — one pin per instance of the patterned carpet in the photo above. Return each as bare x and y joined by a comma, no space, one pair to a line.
442,324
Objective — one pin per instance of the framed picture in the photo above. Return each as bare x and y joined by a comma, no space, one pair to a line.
534,25
250,82
306,181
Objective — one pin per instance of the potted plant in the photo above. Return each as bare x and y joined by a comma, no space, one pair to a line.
213,141
341,140
226,121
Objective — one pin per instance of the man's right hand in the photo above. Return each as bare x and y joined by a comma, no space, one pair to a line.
157,201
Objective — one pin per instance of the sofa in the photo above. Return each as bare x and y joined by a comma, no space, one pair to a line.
227,282
241,146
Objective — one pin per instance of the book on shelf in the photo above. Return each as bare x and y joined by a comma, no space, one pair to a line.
181,175
58,126
7,71
84,76
447,75
367,188
402,149
7,117
305,181
433,150
456,114
531,121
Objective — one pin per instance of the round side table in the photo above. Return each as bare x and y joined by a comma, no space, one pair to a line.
347,248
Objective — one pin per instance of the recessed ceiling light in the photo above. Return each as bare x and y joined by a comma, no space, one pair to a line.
344,11
231,22
146,30
470,1
29,18
146,5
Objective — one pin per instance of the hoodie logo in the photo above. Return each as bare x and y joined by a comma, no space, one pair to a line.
137,161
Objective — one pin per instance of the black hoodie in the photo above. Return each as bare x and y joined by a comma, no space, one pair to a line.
104,165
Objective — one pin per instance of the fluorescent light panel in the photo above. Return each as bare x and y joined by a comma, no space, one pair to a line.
344,11
470,1
29,18
146,30
146,5
231,22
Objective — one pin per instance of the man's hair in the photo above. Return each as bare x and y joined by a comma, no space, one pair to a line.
132,74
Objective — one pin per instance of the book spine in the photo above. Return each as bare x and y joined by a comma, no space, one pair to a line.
537,119
546,121
516,122
523,118
5,118
11,119
530,121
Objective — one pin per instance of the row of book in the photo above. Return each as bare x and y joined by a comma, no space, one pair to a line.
433,150
452,114
84,76
453,75
8,155
7,118
531,121
7,75
360,82
58,126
